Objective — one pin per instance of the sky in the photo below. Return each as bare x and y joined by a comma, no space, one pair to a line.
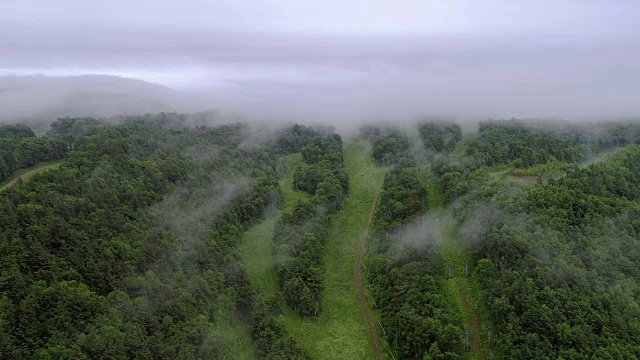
342,59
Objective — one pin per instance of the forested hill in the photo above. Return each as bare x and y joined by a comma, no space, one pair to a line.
552,261
557,261
127,250
499,244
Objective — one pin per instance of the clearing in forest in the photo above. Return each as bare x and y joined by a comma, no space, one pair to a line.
340,332
601,156
372,329
257,252
256,248
462,288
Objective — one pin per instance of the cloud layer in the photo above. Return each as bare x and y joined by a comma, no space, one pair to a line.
340,62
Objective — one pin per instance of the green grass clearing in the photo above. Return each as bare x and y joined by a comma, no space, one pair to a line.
339,332
257,252
256,249
292,196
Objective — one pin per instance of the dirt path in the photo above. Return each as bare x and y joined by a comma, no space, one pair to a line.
368,318
471,322
29,174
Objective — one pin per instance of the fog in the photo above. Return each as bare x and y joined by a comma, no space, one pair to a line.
341,63
426,231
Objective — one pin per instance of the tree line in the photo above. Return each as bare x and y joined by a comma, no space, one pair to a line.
408,285
406,278
301,232
389,145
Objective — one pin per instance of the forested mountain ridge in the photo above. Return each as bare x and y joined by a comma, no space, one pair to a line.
101,257
129,249
555,260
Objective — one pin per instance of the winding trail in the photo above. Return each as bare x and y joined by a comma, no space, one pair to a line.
30,173
368,318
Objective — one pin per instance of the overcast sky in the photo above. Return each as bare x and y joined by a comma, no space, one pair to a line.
346,58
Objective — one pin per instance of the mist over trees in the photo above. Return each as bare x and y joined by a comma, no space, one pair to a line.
91,269
440,137
301,232
553,259
299,180
130,247
407,288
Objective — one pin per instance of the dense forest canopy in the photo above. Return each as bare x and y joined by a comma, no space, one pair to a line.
16,131
440,137
390,148
127,250
558,261
525,144
130,247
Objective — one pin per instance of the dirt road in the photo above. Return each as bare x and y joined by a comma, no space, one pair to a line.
368,318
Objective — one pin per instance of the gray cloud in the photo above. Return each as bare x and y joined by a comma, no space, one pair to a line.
303,62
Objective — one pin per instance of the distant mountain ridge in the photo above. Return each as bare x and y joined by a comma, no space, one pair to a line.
41,99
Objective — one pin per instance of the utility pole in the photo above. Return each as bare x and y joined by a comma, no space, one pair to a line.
488,330
467,333
450,266
451,222
466,268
